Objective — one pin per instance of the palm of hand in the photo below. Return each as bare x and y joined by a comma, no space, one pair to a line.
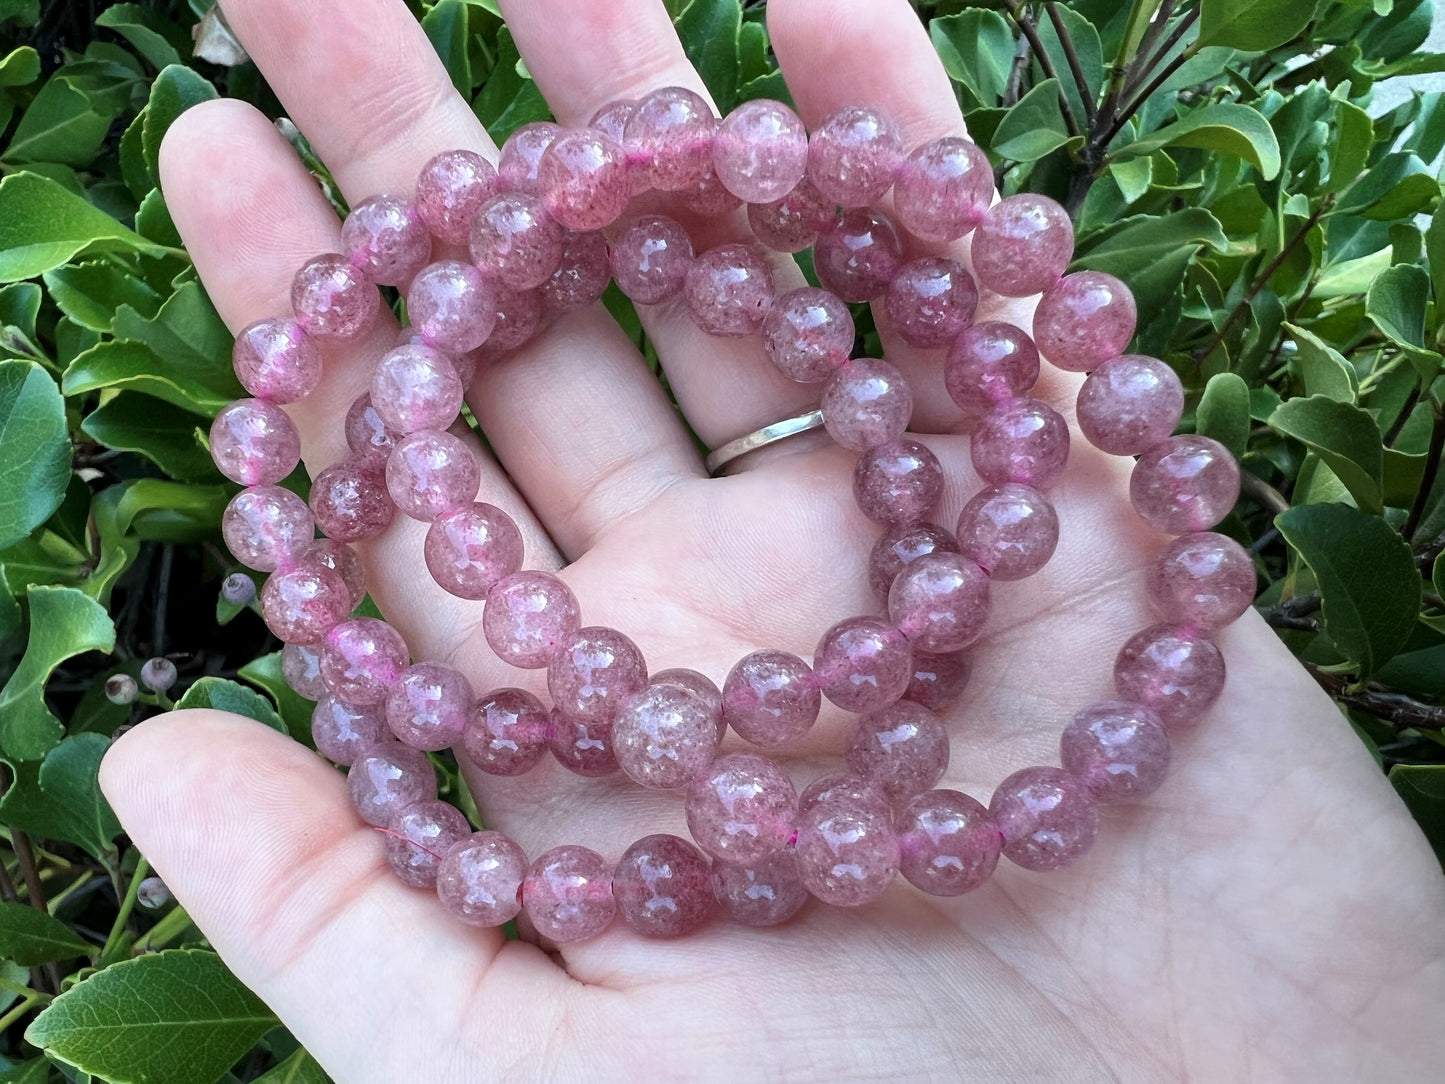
1268,910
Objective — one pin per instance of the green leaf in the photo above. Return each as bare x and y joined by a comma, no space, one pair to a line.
1422,788
177,1017
508,100
1435,253
175,90
61,125
1342,435
1150,252
299,1068
1034,127
137,26
1397,186
162,510
91,293
223,695
31,937
21,12
446,26
1224,126
1223,412
60,798
977,50
20,66
1251,25
42,226
1396,303
1323,369
1133,177
295,709
1366,575
709,31
164,434
28,1072
1087,50
34,448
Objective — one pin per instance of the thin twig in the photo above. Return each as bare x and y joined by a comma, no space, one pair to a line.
1180,29
1432,470
1121,117
25,855
1293,613
1404,416
7,885
1398,710
1066,42
1146,45
1016,73
1026,24
1262,493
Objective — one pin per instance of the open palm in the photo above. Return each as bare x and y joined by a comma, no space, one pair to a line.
1270,912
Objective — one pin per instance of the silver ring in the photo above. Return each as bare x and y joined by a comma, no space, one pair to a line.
761,438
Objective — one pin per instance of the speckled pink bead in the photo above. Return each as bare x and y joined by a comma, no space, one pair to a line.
943,189
387,778
386,239
342,560
612,118
430,473
663,887
529,615
1120,750
592,672
275,360
582,273
947,843
930,301
519,315
1174,671
254,443
1010,531
567,894
903,748
1084,320
514,240
858,255
989,364
508,732
342,732
415,387
808,334
861,664
418,838
938,678
350,501
663,735
302,603
584,749
729,290
741,809
846,787
770,697
760,151
366,434
650,260
479,880
700,685
898,483
708,198
792,223
361,659
854,155
1025,441
449,191
332,300
900,545
669,138
1129,403
867,403
1046,817
470,549
765,894
940,601
847,854
451,306
430,706
1185,483
521,154
1022,245
301,667
264,526
1204,579
582,178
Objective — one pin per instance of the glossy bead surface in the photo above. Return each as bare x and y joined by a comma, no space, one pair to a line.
1173,671
770,697
857,255
332,300
1129,403
418,838
1046,817
265,525
808,334
254,443
431,473
582,273
663,735
866,403
700,685
854,155
847,853
1084,320
902,748
1204,579
451,306
729,290
708,198
386,239
930,301
582,177
1022,245
415,387
519,316
592,672
898,483
302,603
584,749
741,809
947,843
900,545
1120,750
1186,483
938,678
508,732
366,434
611,119
663,887
861,664
528,617
342,560
470,549
387,778
350,501
276,360
760,151
1025,441
764,894
514,240
521,154
792,223
650,260
989,364
450,189
430,706
1010,531
846,787
342,732
943,189
669,138
301,667
361,659
567,894
479,880
940,602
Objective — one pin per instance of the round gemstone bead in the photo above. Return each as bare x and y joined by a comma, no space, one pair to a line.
522,153
770,697
938,679
854,155
342,731
708,198
651,259
1046,817
765,894
741,809
592,672
342,560
301,667
792,223
582,177
947,842
386,239
943,189
729,290
529,615
431,473
265,526
760,151
418,838
430,707
582,273
1204,579
361,659
519,315
302,603
808,334
1172,670
1010,531
479,880
275,360
1186,483
415,387
350,501
469,550
901,545
663,735
1129,403
450,190
989,364
582,748
700,685
508,732
612,119
663,887
930,301
866,403
1119,750
861,664
903,748
847,853
567,894
669,137
1025,440
332,300
940,602
845,787
515,241
366,434
451,306
857,255
254,443
898,483
387,778
1084,320
1022,245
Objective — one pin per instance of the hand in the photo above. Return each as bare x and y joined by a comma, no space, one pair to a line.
1270,912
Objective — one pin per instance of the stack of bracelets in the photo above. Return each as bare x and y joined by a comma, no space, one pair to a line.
533,228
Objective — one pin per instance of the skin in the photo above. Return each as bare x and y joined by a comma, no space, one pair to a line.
1271,912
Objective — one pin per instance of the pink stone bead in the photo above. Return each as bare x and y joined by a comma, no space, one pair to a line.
450,190
1129,403
700,685
741,809
387,778
947,842
898,483
1022,245
342,731
669,137
808,334
529,615
651,259
350,501
930,301
469,550
508,732
663,887
276,361
1185,483
792,223
301,667
366,434
867,403
361,659
301,604
847,854
765,894
612,119
1010,531
451,306
943,189
515,241
901,545
479,881
342,560
592,672
430,473
663,735
582,273
854,155
332,300
940,602
386,239
519,315
418,838
567,894
861,664
1172,670
938,679
903,748
1084,320
760,151
1205,580
1025,440
729,290
430,707
1119,750
522,153
989,364
582,178
1046,817
584,749
770,697
847,788
708,198
265,526
857,255
254,443
416,387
